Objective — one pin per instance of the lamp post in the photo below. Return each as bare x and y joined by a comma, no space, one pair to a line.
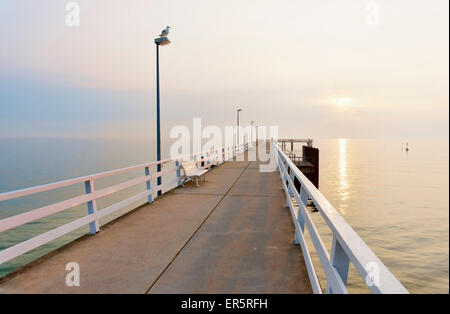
251,132
237,129
162,40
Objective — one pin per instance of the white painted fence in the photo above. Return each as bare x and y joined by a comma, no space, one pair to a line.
347,246
170,166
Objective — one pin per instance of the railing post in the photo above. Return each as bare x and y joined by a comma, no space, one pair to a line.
303,202
340,261
92,206
178,167
148,184
303,196
279,164
288,186
292,179
208,162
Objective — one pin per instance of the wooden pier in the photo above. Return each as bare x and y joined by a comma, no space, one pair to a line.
233,234
241,231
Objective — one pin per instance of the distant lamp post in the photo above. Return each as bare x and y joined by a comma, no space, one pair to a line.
162,40
251,132
257,135
237,134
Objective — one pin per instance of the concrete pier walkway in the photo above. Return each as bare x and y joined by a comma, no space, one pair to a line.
233,234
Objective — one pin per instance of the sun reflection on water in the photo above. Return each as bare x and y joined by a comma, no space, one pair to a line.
343,183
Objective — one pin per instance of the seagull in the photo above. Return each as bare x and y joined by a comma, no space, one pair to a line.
165,32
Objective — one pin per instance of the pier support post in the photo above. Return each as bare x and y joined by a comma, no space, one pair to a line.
92,206
208,161
148,185
178,167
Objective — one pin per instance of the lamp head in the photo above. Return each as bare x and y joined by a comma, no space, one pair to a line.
162,41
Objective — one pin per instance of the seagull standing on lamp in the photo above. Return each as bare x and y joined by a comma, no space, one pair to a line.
162,40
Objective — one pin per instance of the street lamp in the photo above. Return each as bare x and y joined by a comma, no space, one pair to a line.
251,132
237,139
162,40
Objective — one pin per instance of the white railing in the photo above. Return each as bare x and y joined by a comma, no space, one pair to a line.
347,246
206,159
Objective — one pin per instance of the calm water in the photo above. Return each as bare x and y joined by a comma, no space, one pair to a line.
396,201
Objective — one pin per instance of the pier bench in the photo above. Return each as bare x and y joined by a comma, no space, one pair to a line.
191,171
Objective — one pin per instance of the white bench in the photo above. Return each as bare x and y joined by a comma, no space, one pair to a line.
191,171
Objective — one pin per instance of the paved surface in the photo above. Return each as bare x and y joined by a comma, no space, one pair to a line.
231,235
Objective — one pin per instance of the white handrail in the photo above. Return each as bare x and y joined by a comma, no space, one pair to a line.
347,246
91,196
51,186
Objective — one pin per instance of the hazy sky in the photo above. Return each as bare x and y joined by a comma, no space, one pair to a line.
319,69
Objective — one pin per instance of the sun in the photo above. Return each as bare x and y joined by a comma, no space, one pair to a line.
343,102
